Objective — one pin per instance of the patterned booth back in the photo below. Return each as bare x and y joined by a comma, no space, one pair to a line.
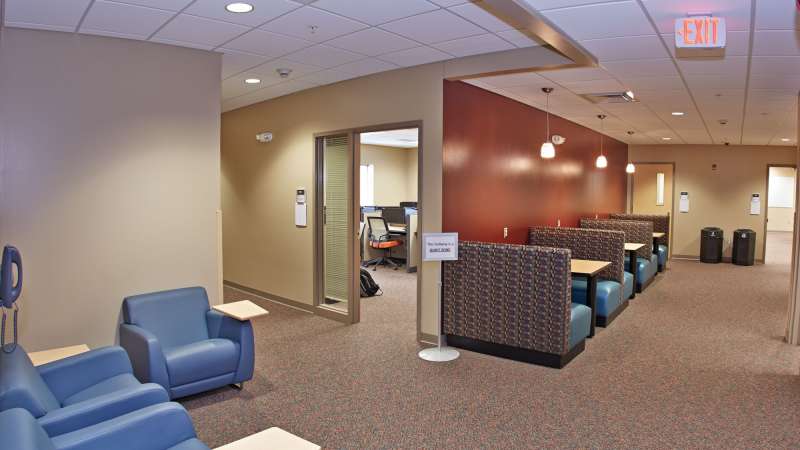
516,295
635,232
660,223
600,245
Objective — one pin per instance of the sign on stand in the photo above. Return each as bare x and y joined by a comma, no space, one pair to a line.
439,247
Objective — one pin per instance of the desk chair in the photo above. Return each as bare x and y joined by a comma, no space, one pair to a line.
381,239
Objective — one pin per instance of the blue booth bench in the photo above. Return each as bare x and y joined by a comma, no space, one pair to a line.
660,225
614,287
638,233
513,301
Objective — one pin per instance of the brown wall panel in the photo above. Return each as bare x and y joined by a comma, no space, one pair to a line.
493,176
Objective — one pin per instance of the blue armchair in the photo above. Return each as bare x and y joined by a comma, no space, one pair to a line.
165,426
74,392
175,339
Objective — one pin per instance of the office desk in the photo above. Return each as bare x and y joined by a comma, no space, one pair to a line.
589,268
398,229
632,248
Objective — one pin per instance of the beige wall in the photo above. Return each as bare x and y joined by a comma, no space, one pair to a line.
644,188
395,173
718,197
781,219
110,176
263,248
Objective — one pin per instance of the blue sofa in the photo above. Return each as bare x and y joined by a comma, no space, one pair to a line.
176,340
74,392
165,426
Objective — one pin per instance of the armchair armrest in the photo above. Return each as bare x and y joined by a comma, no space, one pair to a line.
241,332
76,373
106,407
146,355
21,431
153,428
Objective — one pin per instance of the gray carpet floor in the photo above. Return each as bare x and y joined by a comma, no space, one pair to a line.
696,361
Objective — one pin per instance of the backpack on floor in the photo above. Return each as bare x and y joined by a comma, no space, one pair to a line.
369,287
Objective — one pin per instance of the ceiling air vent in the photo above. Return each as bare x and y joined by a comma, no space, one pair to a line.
611,97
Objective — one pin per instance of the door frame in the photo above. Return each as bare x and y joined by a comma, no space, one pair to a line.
672,219
766,205
354,256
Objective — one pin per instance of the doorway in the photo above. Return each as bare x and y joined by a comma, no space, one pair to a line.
367,186
779,226
652,189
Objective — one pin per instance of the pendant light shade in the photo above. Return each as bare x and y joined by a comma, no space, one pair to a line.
601,162
630,168
548,150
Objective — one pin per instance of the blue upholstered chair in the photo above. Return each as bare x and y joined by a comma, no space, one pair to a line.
165,426
74,392
175,339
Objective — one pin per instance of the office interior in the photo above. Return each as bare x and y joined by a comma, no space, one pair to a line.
187,190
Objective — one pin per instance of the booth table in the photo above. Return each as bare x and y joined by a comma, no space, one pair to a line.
589,268
632,248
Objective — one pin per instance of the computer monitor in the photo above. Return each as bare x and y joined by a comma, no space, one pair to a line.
394,214
408,204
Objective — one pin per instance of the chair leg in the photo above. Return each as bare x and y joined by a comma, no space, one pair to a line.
238,386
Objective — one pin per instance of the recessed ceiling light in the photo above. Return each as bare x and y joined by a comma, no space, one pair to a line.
666,138
785,139
678,113
252,81
239,7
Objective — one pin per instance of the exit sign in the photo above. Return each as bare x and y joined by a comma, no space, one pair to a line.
700,32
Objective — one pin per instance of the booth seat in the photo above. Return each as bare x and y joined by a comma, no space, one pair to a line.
662,257
75,392
627,286
646,271
176,340
513,301
608,298
165,426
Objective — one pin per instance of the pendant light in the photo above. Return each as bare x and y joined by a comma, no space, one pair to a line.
630,168
601,162
548,150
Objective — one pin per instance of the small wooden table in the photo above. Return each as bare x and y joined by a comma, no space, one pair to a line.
632,248
54,354
271,439
589,268
242,310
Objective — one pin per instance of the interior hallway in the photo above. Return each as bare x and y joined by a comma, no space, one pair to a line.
685,366
779,248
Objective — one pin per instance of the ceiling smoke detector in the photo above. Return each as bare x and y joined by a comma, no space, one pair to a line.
284,73
611,97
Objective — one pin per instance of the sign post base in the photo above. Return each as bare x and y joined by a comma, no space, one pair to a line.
439,354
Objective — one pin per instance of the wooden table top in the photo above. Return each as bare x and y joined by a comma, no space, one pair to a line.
658,235
46,356
588,266
632,246
271,439
243,310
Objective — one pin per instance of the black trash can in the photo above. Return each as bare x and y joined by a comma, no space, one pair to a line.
744,247
711,245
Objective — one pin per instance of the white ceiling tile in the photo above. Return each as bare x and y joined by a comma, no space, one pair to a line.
715,81
594,86
777,15
577,74
235,86
664,12
376,12
775,81
542,5
776,43
737,43
182,44
415,56
196,30
265,43
323,56
707,66
263,11
641,68
636,47
520,39
517,79
327,76
169,5
268,72
372,42
45,14
433,27
474,45
234,62
786,65
366,67
126,20
300,23
599,21
479,16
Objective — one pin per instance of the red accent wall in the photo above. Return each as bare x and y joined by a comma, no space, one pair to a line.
494,177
